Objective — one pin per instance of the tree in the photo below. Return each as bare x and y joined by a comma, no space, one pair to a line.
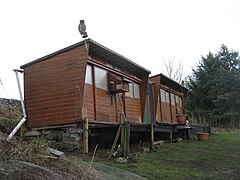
214,87
174,70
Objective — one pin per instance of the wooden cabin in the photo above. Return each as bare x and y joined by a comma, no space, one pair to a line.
169,99
84,76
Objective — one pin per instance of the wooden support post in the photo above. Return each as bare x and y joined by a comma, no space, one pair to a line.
114,142
85,135
152,137
125,139
85,130
171,135
188,134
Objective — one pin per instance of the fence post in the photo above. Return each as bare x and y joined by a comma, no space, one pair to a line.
152,137
125,138
85,130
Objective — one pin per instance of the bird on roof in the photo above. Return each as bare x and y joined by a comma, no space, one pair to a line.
82,29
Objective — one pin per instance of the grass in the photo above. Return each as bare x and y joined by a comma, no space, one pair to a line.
217,158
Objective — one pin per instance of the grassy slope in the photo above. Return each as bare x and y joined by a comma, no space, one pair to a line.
218,158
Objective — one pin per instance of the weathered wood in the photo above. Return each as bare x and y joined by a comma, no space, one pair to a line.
152,137
53,88
55,152
171,135
125,139
94,152
114,142
32,133
85,135
167,111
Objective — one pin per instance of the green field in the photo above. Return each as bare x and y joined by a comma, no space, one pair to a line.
217,158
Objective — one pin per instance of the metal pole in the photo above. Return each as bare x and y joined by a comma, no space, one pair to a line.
20,91
16,129
23,108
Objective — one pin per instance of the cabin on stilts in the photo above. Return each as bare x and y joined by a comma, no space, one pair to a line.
90,80
169,100
85,76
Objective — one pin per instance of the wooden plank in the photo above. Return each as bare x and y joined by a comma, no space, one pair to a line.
114,142
152,137
85,135
125,138
171,135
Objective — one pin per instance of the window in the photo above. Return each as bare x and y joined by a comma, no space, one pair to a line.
177,99
136,90
162,92
180,101
130,93
172,99
88,77
167,97
101,78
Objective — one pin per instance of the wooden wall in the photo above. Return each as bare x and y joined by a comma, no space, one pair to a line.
133,110
56,92
88,101
166,112
105,106
53,89
108,107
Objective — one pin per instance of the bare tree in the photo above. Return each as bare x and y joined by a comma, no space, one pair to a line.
174,69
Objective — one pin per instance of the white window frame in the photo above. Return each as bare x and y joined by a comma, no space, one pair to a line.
173,99
163,96
101,79
136,90
88,75
130,92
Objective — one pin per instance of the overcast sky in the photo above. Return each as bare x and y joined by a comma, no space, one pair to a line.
147,32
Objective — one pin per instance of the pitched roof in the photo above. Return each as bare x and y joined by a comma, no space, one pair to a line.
103,52
164,80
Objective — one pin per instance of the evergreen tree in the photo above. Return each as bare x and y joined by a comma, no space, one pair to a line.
214,87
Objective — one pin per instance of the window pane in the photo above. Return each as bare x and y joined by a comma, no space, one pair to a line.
162,92
167,97
130,93
177,99
101,78
180,101
172,99
136,90
88,77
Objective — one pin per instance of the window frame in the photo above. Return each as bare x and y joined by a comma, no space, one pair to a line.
89,75
162,95
99,85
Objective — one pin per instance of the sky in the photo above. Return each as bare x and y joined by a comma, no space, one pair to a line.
147,32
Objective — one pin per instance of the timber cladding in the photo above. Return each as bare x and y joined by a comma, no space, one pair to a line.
105,106
53,89
133,110
174,99
59,86
108,107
